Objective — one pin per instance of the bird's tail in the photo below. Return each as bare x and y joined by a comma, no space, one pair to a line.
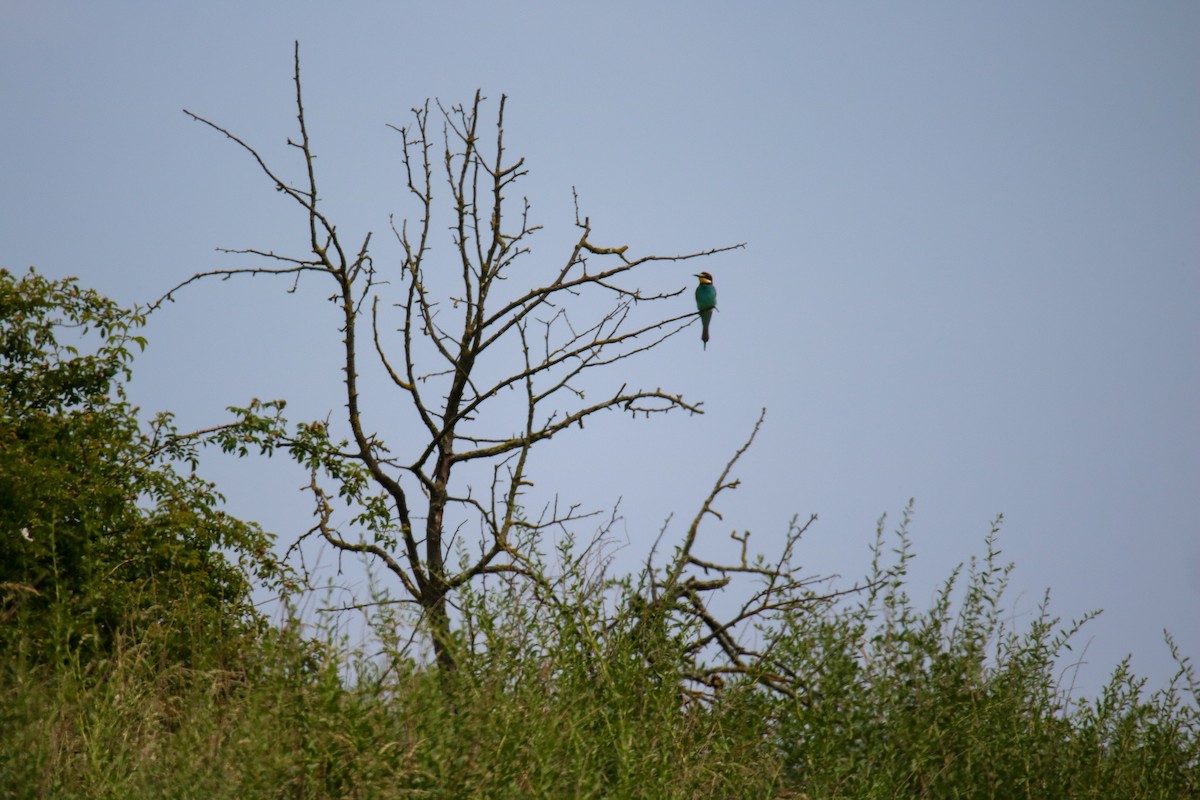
705,317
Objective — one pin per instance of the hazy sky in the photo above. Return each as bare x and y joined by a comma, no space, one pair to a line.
972,271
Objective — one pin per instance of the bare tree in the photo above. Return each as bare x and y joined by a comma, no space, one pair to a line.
451,354
740,637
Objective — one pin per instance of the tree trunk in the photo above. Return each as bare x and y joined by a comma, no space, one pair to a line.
433,601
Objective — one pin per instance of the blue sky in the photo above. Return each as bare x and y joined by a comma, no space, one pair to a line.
971,276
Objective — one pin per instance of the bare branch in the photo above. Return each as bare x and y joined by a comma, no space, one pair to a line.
706,508
226,274
324,513
629,402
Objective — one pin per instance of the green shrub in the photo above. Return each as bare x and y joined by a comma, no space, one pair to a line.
954,703
99,532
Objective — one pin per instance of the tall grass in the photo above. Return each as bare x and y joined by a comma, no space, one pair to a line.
582,697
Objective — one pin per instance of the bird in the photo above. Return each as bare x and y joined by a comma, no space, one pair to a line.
706,301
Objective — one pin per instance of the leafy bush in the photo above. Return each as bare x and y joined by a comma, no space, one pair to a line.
99,532
949,703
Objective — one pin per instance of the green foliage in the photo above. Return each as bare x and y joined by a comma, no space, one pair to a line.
952,703
569,690
98,532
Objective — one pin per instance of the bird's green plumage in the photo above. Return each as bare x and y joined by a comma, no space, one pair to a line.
706,301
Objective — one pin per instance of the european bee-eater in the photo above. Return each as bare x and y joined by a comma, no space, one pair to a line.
706,301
